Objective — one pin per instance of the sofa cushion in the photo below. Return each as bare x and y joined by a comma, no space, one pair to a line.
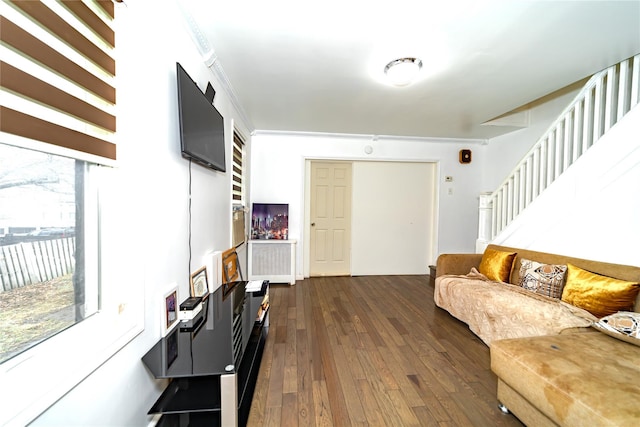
600,295
543,279
620,271
573,379
496,265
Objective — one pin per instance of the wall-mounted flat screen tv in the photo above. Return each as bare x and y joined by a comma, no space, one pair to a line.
270,221
201,125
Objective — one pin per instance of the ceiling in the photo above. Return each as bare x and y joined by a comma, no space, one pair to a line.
307,66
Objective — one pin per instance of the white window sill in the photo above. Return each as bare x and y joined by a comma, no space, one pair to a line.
34,380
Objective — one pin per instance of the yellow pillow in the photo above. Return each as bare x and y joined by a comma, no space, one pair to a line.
599,295
496,265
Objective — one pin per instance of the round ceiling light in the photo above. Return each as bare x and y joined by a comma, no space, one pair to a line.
403,71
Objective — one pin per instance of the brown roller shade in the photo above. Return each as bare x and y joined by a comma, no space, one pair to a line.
21,124
47,18
25,84
81,10
42,53
106,5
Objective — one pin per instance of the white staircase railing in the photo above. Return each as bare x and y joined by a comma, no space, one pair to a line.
603,101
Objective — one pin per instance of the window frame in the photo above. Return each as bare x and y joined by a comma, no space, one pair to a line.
62,361
35,379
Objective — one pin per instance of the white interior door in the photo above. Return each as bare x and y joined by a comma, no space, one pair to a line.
330,219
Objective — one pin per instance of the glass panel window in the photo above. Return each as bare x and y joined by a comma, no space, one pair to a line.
45,285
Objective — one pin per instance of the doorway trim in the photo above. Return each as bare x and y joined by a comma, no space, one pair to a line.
306,197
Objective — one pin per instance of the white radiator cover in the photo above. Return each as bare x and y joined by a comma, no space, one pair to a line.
272,260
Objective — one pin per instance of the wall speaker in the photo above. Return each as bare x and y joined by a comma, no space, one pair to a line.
465,156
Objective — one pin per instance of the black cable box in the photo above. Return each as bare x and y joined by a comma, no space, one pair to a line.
190,303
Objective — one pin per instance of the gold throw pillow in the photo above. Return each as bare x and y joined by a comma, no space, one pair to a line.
599,295
496,265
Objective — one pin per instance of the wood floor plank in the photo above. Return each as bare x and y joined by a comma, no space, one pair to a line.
322,407
302,314
406,415
273,417
371,351
276,381
372,361
331,382
349,387
407,382
433,411
290,383
304,393
369,403
424,416
289,413
351,353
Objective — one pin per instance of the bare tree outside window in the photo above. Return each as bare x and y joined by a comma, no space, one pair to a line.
42,247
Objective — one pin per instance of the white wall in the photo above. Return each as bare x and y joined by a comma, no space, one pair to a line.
146,221
393,224
278,176
592,211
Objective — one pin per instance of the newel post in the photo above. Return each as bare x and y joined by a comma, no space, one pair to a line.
484,222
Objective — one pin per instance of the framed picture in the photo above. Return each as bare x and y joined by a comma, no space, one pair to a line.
270,221
199,283
170,310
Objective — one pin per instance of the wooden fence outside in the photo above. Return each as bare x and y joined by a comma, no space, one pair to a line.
32,262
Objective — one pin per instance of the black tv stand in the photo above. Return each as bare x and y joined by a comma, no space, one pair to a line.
213,364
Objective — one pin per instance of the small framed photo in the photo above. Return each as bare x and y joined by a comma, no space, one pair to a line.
170,310
199,283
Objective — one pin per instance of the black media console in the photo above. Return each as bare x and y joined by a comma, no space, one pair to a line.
213,364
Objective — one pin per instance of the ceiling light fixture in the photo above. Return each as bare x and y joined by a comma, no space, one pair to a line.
403,71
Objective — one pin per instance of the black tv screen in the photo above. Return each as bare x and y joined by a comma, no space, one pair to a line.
201,125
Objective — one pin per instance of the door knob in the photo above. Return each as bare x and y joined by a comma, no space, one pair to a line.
313,224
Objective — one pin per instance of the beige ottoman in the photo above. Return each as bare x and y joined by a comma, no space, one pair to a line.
587,379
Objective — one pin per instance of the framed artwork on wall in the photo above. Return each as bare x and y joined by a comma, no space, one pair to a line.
270,221
199,283
169,310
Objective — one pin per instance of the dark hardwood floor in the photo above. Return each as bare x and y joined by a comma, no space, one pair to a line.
371,351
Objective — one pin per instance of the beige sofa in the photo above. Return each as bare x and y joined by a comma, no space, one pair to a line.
552,367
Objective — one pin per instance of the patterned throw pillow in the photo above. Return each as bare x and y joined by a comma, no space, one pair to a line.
543,279
623,325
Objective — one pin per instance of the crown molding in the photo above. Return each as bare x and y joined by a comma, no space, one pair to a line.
211,60
218,71
370,137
